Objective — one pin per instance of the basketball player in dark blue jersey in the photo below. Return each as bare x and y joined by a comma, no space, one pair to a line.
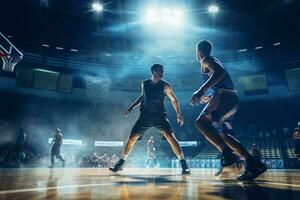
153,114
55,149
214,121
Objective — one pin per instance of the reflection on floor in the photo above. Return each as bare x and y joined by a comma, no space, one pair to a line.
72,183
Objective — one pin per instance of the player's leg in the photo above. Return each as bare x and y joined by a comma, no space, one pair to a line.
232,142
138,129
59,157
127,149
164,125
204,125
226,109
254,167
177,150
52,159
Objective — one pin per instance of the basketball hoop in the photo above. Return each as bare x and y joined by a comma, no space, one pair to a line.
9,62
9,54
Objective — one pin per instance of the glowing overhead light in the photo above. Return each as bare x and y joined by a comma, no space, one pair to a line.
59,48
45,45
151,16
259,47
74,50
243,50
276,44
97,7
213,9
167,16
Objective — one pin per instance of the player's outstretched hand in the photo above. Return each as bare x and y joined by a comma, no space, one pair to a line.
195,99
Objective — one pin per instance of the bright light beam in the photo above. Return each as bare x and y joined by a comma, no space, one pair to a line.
97,7
213,9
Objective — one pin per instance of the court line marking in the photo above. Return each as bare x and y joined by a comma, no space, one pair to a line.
280,184
51,188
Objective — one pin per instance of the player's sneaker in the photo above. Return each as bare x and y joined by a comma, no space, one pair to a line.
118,166
229,163
254,168
185,167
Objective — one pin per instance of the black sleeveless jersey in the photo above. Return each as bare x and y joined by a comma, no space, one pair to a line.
152,103
57,140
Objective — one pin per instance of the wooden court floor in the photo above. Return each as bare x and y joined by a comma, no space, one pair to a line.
132,183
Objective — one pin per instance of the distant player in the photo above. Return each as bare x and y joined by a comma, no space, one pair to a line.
296,136
151,154
55,150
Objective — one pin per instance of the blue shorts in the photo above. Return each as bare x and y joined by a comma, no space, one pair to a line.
222,108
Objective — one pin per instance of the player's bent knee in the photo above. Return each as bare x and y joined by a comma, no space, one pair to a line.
169,135
201,121
223,135
133,137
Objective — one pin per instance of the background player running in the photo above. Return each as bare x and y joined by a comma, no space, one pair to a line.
153,114
214,121
296,136
55,150
151,154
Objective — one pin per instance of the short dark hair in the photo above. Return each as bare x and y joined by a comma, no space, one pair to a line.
156,67
204,46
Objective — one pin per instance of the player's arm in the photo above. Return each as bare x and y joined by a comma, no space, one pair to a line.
53,139
136,103
217,74
170,93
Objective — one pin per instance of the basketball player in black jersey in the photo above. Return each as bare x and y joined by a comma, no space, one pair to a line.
55,150
153,114
214,121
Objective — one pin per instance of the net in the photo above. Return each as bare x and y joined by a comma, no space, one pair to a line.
9,62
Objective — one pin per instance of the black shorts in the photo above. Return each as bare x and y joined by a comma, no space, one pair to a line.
55,150
222,108
145,122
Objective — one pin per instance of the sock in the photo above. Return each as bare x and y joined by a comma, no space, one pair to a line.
180,156
124,157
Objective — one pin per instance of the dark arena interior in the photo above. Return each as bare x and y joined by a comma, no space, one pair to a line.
204,92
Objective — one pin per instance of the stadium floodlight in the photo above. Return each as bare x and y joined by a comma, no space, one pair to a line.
213,9
276,44
242,50
97,7
177,17
152,16
258,47
164,16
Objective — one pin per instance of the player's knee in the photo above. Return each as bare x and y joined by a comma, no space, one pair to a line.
169,135
201,122
133,138
223,135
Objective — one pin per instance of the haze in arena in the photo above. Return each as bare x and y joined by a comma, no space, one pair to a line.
129,99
